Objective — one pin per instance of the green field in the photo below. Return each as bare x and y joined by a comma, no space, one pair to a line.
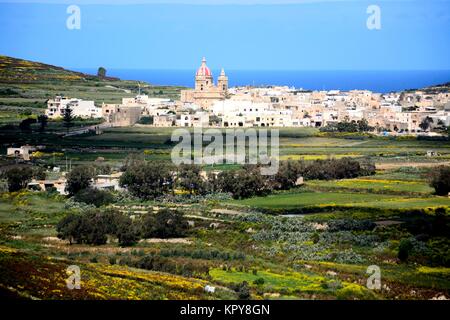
374,184
296,200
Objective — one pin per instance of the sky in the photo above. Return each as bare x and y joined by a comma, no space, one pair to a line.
237,35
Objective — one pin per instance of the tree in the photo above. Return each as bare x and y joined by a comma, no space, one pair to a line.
440,180
243,183
94,228
189,178
347,125
18,177
287,175
426,123
25,125
249,182
225,181
101,72
147,180
363,125
68,117
94,196
126,231
39,173
133,159
69,228
78,179
165,224
43,121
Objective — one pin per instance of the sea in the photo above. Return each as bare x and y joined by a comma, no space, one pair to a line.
376,81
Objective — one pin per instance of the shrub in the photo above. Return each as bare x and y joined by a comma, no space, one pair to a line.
243,291
259,281
146,120
404,249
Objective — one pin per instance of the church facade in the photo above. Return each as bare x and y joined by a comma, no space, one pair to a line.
205,92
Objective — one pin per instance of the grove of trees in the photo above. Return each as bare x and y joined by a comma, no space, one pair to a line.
149,180
348,126
95,226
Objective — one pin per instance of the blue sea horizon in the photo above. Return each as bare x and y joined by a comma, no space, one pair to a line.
376,81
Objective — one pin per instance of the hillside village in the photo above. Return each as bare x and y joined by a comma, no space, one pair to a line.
409,112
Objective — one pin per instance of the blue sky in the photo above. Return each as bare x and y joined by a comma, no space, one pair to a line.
255,34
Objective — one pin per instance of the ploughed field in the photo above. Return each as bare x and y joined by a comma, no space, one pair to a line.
315,241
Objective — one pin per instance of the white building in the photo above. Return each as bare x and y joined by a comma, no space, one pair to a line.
198,120
80,108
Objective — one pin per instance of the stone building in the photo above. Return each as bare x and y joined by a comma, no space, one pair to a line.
121,116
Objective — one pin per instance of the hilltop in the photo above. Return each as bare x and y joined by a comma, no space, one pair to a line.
13,70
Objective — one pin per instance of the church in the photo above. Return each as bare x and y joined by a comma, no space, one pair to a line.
205,93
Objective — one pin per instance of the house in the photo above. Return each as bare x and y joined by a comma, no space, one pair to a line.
119,115
164,120
198,120
80,108
108,181
46,185
23,152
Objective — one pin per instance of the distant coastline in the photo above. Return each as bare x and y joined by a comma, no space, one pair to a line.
376,81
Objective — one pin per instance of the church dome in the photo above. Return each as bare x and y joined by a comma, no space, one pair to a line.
204,70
